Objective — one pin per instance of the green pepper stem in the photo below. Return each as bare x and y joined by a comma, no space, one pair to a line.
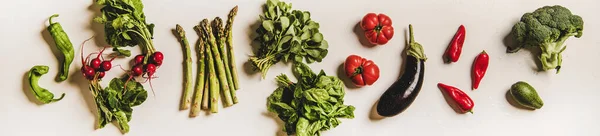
53,16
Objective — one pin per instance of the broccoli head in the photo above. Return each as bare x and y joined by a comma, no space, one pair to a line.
547,28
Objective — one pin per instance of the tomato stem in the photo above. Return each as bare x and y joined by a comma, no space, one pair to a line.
357,70
378,28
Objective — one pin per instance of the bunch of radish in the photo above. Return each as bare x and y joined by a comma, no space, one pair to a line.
143,65
95,68
139,68
149,68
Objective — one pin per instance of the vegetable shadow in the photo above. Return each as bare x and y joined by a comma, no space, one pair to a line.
450,102
183,78
59,56
373,115
27,90
248,67
76,79
342,75
280,123
360,35
511,43
97,28
513,102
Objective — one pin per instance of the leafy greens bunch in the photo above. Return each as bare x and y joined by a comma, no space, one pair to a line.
115,102
311,105
288,35
125,25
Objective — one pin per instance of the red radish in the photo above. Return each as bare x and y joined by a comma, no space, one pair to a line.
101,74
157,58
88,72
95,63
106,65
137,70
150,68
139,59
158,63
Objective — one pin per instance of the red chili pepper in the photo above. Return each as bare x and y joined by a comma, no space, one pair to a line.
479,67
455,48
465,103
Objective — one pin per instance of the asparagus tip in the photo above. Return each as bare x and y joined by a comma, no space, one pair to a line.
180,30
233,11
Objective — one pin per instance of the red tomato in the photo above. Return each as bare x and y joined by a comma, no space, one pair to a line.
361,71
378,28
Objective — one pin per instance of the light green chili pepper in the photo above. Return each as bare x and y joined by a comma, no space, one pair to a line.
40,93
64,45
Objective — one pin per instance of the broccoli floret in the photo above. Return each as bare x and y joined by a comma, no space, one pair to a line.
548,28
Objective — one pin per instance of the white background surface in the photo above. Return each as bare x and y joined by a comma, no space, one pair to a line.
571,97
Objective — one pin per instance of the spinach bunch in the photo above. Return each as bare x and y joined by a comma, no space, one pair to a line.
288,35
311,105
125,25
115,102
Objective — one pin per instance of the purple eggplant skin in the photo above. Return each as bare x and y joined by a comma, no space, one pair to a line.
402,93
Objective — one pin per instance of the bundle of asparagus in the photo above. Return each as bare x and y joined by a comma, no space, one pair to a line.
217,73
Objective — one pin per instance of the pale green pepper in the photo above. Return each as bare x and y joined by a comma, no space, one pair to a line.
40,93
64,45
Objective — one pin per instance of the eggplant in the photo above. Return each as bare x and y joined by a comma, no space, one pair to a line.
401,94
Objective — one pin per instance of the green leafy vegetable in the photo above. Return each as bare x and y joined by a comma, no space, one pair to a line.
125,25
64,45
115,102
122,52
311,105
547,28
288,35
42,94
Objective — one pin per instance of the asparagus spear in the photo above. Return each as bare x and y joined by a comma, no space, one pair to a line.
212,74
205,96
230,57
200,83
218,62
186,98
217,25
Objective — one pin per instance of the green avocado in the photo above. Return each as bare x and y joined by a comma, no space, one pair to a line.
525,95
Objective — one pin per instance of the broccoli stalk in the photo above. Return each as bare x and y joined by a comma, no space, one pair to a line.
551,55
547,28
